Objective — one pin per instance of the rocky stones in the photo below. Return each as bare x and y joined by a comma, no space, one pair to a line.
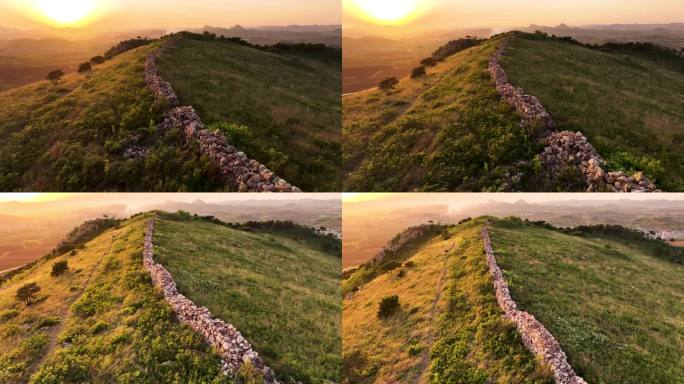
563,149
233,348
240,172
535,336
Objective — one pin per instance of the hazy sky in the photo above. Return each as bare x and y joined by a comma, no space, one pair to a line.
135,201
510,13
457,201
127,14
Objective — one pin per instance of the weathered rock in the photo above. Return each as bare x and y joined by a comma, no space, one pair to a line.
562,149
535,336
233,348
237,168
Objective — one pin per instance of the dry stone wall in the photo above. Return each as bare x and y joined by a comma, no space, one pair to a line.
233,348
535,336
563,149
241,172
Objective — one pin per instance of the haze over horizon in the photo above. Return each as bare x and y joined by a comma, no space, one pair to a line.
503,14
172,14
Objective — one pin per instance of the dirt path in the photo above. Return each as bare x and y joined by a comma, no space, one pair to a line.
53,332
433,314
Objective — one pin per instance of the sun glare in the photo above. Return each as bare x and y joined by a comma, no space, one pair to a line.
66,12
386,11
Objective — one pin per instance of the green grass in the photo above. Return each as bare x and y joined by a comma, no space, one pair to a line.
464,339
447,131
281,109
281,291
629,106
100,322
71,136
614,303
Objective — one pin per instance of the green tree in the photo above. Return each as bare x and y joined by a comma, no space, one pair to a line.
388,84
27,292
55,76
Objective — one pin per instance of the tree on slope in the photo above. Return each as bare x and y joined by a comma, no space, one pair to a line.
27,293
55,76
388,84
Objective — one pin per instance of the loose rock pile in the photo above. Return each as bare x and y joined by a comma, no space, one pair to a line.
535,337
241,172
563,149
572,149
233,348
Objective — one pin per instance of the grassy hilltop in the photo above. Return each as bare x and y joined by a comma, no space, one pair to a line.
628,102
279,285
103,321
611,296
449,130
96,131
281,106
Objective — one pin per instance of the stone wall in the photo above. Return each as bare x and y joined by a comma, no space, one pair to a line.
240,172
535,336
233,348
563,149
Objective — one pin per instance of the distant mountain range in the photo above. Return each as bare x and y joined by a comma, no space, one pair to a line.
323,34
669,35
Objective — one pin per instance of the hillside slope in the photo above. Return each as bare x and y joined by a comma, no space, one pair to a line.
448,327
280,106
101,321
627,103
96,132
278,284
613,299
448,130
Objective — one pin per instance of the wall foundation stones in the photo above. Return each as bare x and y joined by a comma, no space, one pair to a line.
563,149
535,336
241,172
233,348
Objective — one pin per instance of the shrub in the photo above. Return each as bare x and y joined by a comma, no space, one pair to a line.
8,314
388,305
59,268
85,67
428,62
418,72
55,76
388,84
98,60
27,292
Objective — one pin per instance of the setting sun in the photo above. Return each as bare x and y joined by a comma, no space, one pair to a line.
387,11
66,12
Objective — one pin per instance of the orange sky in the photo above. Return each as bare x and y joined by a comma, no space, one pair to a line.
511,13
136,14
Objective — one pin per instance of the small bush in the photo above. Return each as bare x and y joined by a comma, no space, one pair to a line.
388,305
8,314
27,293
47,322
85,67
59,268
418,72
98,60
